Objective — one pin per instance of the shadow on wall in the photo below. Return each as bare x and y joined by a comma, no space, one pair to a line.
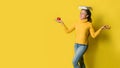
93,43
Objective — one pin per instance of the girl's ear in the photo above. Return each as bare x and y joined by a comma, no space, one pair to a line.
87,15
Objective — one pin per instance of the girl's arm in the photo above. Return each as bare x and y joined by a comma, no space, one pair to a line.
95,34
65,27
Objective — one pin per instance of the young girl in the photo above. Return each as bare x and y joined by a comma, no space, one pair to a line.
82,28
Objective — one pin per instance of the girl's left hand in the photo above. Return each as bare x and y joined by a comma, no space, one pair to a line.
106,27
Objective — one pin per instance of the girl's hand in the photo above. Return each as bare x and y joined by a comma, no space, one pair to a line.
105,27
59,20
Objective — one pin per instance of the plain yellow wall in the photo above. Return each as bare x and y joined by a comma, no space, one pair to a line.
30,37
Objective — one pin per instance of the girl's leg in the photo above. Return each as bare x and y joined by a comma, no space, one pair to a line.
78,54
81,62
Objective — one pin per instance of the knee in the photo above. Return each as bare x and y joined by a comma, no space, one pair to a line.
74,62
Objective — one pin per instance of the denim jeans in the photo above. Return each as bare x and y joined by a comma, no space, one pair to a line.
78,61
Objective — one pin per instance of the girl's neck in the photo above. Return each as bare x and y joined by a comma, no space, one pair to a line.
83,20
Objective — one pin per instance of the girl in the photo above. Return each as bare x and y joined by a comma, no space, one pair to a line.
83,28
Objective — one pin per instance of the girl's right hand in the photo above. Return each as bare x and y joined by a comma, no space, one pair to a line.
59,20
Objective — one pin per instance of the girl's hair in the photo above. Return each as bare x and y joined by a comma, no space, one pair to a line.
89,15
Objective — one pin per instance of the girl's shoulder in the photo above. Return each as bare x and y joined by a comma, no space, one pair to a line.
90,24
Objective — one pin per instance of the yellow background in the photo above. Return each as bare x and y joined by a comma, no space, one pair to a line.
30,37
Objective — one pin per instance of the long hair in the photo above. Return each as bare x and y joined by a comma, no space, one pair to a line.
89,15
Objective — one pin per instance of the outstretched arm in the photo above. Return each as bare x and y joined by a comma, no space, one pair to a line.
95,34
65,27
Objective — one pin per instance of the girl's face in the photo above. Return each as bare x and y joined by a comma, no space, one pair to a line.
83,14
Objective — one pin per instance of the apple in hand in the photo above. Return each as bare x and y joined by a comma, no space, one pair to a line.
58,20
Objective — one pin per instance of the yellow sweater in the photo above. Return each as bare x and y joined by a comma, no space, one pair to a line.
83,28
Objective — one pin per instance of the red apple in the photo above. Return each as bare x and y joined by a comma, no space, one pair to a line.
58,18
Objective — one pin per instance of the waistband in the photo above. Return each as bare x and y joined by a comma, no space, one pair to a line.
81,44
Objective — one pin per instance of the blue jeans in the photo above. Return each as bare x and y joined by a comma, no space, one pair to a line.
78,61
